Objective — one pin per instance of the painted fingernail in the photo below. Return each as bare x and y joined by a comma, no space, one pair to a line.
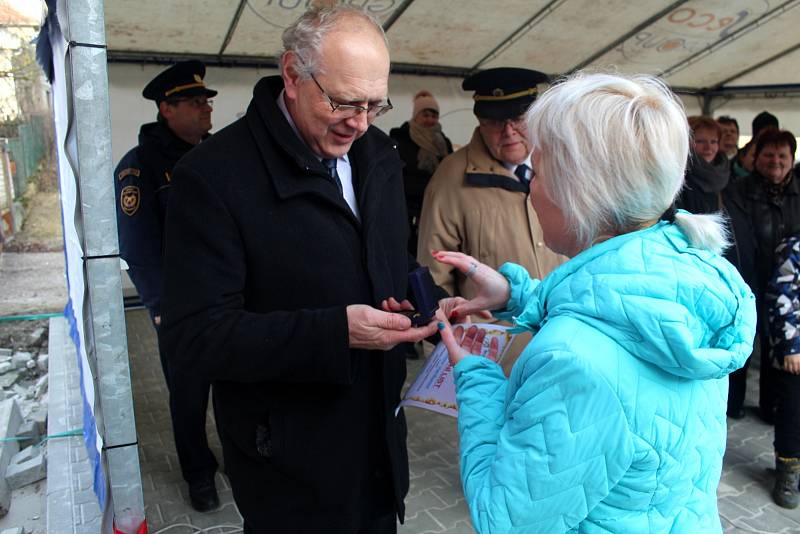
453,314
440,326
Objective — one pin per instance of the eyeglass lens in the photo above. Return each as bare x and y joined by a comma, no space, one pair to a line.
495,124
351,110
196,102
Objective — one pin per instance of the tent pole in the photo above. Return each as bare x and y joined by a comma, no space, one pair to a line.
106,341
707,104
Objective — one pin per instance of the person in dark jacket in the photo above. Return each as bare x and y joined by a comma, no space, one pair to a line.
285,238
707,189
142,181
422,146
783,305
772,197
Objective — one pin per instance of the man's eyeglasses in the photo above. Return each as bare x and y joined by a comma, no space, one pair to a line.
347,111
198,102
517,123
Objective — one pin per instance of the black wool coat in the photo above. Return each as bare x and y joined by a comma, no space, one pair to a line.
262,257
145,172
772,219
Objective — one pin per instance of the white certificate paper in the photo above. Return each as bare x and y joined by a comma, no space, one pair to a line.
434,388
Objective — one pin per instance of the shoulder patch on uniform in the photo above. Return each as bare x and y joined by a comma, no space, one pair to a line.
129,199
130,171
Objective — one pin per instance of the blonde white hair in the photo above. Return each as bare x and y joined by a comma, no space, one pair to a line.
614,151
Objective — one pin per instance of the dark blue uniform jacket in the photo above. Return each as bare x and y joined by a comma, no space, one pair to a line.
142,184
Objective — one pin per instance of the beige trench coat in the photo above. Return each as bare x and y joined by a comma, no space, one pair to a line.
474,205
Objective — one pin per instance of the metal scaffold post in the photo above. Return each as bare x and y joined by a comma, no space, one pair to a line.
104,321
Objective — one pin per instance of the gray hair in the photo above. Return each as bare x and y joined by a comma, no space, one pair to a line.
305,35
614,149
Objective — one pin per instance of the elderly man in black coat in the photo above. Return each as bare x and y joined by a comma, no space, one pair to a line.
286,253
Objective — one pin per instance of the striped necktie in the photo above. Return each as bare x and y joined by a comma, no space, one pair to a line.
330,164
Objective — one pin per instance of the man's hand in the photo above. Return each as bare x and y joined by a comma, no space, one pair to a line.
379,330
391,305
791,364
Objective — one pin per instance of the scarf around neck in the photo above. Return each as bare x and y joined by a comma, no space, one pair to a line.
432,146
709,177
775,191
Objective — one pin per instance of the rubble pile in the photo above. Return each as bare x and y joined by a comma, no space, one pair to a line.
23,412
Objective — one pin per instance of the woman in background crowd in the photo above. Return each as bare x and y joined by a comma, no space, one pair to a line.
708,170
612,419
707,190
422,146
772,196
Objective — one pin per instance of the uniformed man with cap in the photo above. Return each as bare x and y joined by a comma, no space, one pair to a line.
142,182
477,202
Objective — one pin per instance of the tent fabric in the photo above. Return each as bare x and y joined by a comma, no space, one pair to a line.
695,45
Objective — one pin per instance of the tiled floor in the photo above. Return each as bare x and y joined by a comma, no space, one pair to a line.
435,503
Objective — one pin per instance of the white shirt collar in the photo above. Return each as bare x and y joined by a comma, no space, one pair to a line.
282,105
512,167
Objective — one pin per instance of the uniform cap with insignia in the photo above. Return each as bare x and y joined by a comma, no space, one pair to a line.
183,79
504,92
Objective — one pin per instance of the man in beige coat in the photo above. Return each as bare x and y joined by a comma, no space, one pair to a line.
477,201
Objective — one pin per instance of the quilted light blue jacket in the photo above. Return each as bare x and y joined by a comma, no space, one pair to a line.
613,418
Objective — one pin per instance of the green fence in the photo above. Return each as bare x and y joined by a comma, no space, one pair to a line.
27,150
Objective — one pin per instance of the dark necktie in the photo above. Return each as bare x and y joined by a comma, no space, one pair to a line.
522,173
330,164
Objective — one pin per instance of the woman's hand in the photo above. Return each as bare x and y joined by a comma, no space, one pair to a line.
791,364
449,305
493,289
461,343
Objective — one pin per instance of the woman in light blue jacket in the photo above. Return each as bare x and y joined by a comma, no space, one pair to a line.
613,418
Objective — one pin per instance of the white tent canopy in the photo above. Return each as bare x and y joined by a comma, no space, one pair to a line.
725,57
701,45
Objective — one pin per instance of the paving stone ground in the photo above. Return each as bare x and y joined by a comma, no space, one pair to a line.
435,503
71,504
165,493
32,283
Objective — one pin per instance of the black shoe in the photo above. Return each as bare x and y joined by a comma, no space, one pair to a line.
785,492
736,413
203,495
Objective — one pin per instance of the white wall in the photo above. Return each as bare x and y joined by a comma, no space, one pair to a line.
235,85
129,110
